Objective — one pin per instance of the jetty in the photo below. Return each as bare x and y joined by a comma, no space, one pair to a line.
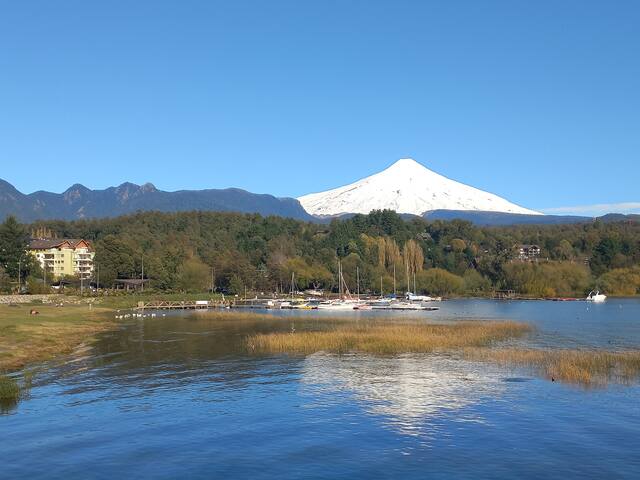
179,305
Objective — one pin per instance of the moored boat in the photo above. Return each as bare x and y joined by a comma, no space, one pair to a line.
596,296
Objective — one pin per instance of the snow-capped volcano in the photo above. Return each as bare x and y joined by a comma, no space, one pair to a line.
406,187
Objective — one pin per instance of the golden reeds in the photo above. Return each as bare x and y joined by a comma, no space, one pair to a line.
585,367
387,338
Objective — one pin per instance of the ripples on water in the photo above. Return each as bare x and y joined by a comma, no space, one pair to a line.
178,397
407,392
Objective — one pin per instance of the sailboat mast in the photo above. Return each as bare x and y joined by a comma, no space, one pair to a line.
408,280
358,281
394,279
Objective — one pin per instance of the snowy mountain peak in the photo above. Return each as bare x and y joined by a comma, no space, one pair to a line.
406,187
406,163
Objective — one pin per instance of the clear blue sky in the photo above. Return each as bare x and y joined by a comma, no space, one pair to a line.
537,101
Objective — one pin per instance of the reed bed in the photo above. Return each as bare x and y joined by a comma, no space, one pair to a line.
387,338
584,367
9,393
9,388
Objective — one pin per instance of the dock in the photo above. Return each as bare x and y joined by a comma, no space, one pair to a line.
179,305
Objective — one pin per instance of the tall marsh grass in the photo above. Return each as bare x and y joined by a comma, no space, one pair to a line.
387,338
9,393
584,367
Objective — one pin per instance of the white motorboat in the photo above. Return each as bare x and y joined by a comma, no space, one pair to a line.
411,297
337,305
596,296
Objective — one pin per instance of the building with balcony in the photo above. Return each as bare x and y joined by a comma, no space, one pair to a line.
528,252
60,257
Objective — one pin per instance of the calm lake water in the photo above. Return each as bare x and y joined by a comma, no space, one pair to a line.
176,397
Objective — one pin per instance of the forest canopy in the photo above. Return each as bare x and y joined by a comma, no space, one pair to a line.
184,251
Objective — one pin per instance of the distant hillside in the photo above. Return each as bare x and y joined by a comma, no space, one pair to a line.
506,219
79,202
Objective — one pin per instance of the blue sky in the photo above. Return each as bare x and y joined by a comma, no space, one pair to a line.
538,102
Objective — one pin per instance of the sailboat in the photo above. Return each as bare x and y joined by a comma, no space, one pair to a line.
294,303
345,301
360,304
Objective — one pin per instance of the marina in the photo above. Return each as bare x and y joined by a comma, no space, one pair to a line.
273,303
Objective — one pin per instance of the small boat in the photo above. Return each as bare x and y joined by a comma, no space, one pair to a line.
411,297
337,305
596,296
362,306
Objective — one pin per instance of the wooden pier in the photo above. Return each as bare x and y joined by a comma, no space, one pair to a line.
179,305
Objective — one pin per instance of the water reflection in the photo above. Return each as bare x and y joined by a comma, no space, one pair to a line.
409,392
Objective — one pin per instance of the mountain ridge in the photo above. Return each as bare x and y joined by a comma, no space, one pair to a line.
79,202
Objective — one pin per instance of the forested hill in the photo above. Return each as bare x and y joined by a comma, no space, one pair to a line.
80,202
181,249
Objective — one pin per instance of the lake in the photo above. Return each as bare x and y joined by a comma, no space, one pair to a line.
178,397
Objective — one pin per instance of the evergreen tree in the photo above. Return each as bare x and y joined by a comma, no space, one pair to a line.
14,241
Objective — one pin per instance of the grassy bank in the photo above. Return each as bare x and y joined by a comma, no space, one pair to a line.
388,338
26,338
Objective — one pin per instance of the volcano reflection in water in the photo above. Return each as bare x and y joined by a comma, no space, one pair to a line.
411,393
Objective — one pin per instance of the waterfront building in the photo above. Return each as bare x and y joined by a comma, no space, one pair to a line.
528,252
60,257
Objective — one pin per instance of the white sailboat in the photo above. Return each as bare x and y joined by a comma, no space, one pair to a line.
345,301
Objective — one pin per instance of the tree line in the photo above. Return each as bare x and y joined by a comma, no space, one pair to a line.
197,251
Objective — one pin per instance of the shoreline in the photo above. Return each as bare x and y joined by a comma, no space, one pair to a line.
27,339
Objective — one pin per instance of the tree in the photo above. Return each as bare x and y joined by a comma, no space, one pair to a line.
116,259
14,242
475,283
194,276
458,245
564,250
5,281
413,256
437,281
620,281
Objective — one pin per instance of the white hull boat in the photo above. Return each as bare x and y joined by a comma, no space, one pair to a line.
596,297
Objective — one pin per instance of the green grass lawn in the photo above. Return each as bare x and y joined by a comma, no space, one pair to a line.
26,338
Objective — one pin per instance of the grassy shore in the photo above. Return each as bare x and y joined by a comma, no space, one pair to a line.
26,338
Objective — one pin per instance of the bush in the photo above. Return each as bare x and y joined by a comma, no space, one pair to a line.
474,282
547,279
437,281
620,281
35,286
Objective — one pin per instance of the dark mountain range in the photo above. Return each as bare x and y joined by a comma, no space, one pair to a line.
502,219
80,202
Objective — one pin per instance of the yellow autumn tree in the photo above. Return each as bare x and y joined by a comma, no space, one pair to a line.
413,256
